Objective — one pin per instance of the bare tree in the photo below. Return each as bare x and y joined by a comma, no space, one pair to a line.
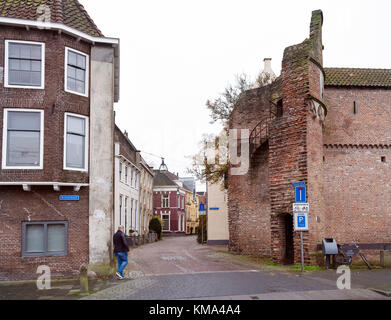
220,110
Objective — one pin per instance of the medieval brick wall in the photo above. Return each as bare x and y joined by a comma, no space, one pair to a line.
248,195
294,153
357,182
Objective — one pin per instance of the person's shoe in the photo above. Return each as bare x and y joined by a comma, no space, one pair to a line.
119,276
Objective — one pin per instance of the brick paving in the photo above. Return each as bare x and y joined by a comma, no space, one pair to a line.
179,268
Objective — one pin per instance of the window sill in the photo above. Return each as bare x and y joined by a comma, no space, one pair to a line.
16,86
22,168
77,93
77,170
43,255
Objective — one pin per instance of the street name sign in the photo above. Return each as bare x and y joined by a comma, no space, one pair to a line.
69,198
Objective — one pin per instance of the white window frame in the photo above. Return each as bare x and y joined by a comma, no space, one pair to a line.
120,170
168,201
6,65
86,147
5,139
126,174
87,78
169,220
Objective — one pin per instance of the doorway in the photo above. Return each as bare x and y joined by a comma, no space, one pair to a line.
285,239
289,248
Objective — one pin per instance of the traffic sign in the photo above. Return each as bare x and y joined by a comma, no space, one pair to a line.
300,212
300,194
298,184
202,207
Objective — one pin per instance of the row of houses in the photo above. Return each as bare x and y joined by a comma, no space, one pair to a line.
176,202
69,176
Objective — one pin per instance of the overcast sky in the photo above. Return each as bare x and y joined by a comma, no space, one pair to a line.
175,55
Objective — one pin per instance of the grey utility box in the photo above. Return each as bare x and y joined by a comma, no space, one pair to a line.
329,246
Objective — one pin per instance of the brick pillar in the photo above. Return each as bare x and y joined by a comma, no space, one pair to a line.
296,144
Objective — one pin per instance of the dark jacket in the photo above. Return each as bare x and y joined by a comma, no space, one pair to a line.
120,244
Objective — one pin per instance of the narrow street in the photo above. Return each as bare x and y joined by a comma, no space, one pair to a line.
180,268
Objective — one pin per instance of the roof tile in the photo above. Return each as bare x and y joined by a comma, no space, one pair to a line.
356,77
69,12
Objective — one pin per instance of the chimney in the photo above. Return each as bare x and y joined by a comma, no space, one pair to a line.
268,65
126,133
267,76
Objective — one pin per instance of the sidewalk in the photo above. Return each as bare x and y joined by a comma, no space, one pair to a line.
354,294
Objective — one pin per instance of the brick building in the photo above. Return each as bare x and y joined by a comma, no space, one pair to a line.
58,81
169,201
328,127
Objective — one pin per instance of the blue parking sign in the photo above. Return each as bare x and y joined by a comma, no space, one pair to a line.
301,222
300,194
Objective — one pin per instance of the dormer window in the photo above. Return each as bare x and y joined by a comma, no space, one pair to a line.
24,64
76,72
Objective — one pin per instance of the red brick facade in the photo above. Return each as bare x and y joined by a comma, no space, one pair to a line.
42,203
317,139
174,209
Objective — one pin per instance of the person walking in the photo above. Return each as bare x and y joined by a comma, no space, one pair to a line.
121,250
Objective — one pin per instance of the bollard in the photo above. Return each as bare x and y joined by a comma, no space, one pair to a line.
83,280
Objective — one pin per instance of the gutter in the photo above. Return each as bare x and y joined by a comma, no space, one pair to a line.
60,27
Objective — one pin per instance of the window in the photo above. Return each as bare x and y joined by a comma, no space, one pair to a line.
131,177
76,72
126,174
131,213
23,139
126,215
280,110
44,239
165,201
76,142
166,222
355,107
120,210
24,64
120,171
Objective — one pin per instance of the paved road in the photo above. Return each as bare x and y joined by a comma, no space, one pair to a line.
182,255
179,268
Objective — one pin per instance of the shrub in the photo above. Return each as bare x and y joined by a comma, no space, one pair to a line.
156,225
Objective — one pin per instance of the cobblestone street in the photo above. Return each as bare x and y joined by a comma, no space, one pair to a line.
179,268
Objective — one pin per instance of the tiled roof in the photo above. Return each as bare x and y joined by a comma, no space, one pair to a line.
358,77
69,12
161,180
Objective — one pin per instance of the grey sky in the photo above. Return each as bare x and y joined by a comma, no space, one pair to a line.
177,54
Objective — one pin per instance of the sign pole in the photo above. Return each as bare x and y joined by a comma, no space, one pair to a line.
302,251
202,231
